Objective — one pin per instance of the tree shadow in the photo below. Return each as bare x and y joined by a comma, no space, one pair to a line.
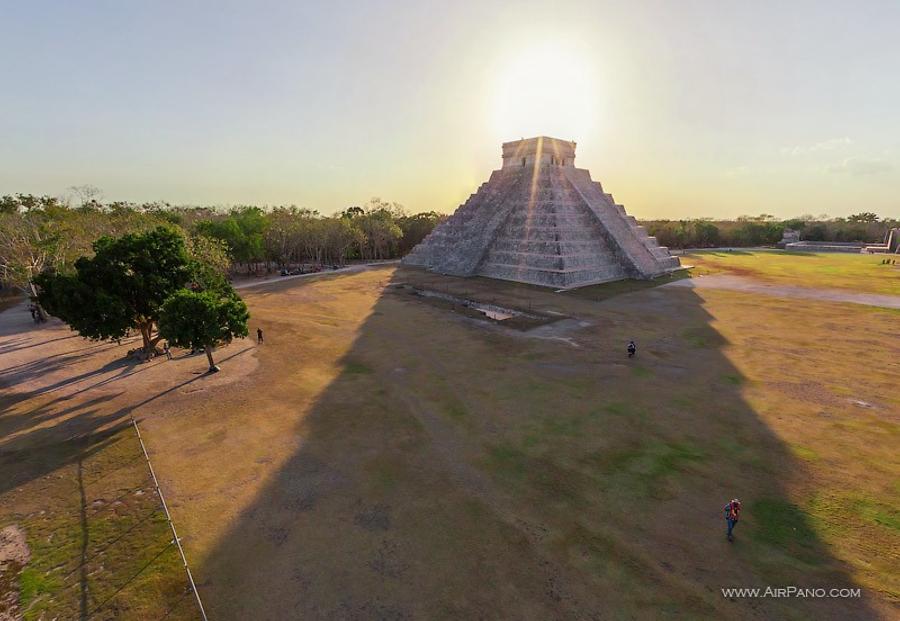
451,471
36,440
17,344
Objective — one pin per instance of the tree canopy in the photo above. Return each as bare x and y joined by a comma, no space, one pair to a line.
122,287
203,319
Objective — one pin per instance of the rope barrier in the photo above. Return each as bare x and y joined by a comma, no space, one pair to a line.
176,539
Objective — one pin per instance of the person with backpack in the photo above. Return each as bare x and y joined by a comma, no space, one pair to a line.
632,349
732,515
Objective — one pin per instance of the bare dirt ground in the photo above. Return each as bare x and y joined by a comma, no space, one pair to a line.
379,457
14,555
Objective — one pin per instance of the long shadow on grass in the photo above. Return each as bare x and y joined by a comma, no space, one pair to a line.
51,437
454,471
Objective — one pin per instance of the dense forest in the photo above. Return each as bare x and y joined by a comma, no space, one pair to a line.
47,234
42,233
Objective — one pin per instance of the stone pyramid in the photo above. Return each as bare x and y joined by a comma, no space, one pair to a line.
540,220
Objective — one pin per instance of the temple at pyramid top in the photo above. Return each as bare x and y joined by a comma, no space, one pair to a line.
540,220
548,151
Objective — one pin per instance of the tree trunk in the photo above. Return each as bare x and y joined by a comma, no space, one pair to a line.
212,365
145,337
34,300
153,339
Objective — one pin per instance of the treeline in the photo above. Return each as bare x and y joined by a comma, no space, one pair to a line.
286,236
765,230
43,233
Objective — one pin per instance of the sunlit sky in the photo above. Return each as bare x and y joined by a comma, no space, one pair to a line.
681,109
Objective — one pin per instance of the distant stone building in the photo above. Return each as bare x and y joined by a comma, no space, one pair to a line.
540,220
891,244
788,236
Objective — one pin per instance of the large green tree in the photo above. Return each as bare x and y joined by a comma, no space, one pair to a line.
122,287
243,229
204,319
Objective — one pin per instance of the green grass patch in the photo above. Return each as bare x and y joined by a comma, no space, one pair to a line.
507,460
542,476
621,409
354,367
120,532
646,468
803,452
700,337
640,371
561,425
874,512
456,410
837,512
780,523
745,454
34,583
385,472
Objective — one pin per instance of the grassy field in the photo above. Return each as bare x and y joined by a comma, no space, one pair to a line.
386,457
99,543
75,485
833,270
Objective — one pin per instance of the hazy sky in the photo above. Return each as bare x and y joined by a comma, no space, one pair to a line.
679,108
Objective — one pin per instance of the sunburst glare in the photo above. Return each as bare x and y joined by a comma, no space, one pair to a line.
545,89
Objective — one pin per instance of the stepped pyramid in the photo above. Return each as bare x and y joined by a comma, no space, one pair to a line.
540,220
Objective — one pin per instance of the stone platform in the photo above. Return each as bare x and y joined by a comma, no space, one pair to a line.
540,220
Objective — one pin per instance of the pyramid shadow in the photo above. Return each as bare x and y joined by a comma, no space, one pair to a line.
450,471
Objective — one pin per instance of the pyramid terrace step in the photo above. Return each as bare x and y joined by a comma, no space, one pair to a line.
547,261
548,234
543,246
556,278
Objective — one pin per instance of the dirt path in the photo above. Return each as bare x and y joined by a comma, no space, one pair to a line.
344,270
749,285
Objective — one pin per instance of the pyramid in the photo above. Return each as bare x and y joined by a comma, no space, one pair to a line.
540,220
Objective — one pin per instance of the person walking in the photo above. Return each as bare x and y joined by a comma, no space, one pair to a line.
632,349
167,351
259,336
732,515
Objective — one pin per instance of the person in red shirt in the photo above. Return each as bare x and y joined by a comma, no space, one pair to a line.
732,515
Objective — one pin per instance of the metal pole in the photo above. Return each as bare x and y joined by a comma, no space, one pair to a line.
171,523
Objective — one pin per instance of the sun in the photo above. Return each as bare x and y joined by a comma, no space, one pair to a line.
544,89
